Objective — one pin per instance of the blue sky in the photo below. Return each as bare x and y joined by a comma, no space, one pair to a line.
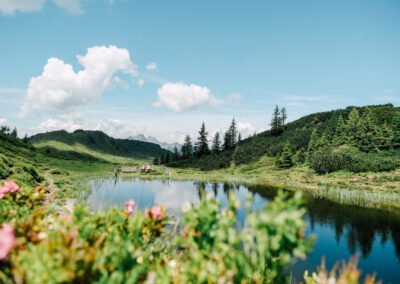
162,67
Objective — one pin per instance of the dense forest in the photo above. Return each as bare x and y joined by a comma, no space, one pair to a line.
356,139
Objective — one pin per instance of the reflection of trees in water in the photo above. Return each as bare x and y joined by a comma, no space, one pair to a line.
359,226
362,225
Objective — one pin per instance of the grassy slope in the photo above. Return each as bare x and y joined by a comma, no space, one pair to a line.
93,145
63,177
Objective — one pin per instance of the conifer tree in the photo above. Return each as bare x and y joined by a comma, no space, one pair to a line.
283,117
367,134
14,132
236,155
216,144
340,137
239,138
312,145
162,159
284,160
352,127
202,142
384,137
187,148
396,130
227,141
233,133
155,161
276,121
25,139
167,158
322,142
176,154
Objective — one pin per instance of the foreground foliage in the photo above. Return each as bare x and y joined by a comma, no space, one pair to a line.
124,246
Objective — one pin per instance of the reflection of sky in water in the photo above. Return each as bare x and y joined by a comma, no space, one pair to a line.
341,230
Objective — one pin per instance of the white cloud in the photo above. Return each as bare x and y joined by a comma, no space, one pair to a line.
152,66
180,97
59,87
3,121
140,82
235,98
388,91
52,124
9,7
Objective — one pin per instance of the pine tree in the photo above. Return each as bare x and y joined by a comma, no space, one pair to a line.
322,142
340,137
202,142
312,145
367,134
233,133
352,127
236,155
14,132
227,141
276,121
187,148
239,138
167,157
216,144
283,117
175,156
384,137
155,161
25,139
396,130
284,160
162,159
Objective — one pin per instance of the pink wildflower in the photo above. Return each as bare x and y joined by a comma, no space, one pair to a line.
7,240
129,207
185,231
157,212
3,191
12,186
67,217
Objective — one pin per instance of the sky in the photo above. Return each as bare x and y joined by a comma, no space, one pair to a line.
162,67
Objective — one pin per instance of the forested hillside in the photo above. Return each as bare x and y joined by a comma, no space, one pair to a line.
356,138
81,143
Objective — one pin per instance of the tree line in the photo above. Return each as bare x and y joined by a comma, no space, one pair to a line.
201,147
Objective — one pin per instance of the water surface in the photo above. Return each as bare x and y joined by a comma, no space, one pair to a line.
341,230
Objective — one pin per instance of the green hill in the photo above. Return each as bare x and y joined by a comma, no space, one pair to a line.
93,145
297,135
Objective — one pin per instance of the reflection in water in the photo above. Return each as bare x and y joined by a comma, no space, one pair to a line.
341,230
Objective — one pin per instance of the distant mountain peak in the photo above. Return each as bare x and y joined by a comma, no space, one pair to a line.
151,139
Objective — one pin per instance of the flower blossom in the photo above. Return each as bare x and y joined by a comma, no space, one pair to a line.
129,207
9,187
156,212
7,240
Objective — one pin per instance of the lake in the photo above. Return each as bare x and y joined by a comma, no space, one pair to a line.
341,230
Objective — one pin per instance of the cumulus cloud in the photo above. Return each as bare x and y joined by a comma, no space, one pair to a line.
52,124
235,98
3,121
152,66
180,97
60,88
10,7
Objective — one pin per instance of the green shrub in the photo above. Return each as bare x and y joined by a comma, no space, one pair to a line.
327,161
32,171
113,247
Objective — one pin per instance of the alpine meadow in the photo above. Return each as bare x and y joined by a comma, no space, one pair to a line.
199,141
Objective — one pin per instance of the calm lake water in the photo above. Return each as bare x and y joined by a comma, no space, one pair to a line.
341,230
